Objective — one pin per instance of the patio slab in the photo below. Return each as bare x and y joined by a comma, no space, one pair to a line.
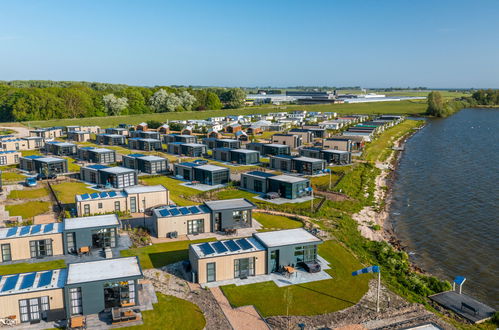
280,201
202,187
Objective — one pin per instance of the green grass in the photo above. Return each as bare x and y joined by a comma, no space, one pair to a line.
25,267
29,209
72,167
233,192
177,192
380,148
172,313
29,193
340,292
322,182
276,222
159,255
66,191
403,107
12,177
25,153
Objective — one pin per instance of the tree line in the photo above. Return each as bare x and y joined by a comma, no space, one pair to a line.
44,100
439,107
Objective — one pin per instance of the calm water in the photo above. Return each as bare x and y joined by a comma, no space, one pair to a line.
446,200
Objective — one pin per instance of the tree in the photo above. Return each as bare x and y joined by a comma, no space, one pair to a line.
77,101
153,124
162,101
233,98
114,105
212,101
186,100
436,106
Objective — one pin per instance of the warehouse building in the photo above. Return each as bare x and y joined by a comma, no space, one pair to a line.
97,155
145,144
46,166
61,148
111,139
263,253
204,174
146,164
129,200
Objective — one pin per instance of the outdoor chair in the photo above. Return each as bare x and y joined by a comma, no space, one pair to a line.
77,322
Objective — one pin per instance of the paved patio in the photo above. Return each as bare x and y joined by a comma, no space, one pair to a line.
299,277
280,201
202,187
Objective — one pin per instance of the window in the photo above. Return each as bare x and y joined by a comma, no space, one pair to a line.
100,205
117,206
40,248
133,204
244,267
86,209
76,305
195,226
6,253
245,182
211,272
3,160
16,158
70,241
105,237
29,309
240,216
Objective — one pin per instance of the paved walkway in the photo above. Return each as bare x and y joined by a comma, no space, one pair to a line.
241,318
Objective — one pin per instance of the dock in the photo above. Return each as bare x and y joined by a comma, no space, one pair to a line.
464,305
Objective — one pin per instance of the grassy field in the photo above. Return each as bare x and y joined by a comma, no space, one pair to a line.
177,192
66,191
12,177
25,267
172,313
159,255
31,193
276,222
403,107
29,209
380,148
72,167
342,291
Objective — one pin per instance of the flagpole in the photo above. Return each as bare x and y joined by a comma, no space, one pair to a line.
379,289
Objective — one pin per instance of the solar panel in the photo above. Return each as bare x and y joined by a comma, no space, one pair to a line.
36,229
219,247
244,244
94,195
25,230
174,212
194,210
232,246
48,228
184,210
28,281
12,231
112,194
10,283
45,278
104,194
85,196
206,248
164,213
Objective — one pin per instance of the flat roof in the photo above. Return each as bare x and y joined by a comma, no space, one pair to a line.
176,211
210,167
151,158
62,144
227,204
286,237
244,151
144,189
32,282
117,170
100,150
288,178
227,247
278,145
90,222
100,195
309,159
335,151
112,135
49,159
102,270
28,231
193,144
259,174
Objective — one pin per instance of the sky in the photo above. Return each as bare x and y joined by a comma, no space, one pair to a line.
368,43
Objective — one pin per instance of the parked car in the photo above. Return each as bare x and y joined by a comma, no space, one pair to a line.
271,195
311,267
31,181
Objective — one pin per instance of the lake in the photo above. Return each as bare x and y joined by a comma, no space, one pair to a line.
445,204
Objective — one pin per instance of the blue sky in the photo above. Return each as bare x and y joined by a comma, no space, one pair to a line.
253,43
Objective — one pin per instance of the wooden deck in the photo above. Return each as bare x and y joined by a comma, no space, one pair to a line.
460,303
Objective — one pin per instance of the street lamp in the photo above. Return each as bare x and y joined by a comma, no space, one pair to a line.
309,189
328,170
144,205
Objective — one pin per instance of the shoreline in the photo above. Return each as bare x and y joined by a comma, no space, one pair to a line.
383,196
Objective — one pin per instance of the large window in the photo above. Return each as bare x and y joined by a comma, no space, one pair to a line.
240,216
40,248
244,267
211,272
70,241
104,237
86,209
119,294
195,226
306,253
30,309
133,204
76,305
3,160
6,252
117,206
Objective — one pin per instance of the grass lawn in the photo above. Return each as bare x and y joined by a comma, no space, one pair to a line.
380,148
322,182
25,153
66,191
276,222
31,193
25,267
402,107
177,192
172,313
72,167
159,255
29,209
12,177
340,292
229,193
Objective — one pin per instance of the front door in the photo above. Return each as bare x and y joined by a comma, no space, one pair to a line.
218,221
30,309
242,268
133,204
274,261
